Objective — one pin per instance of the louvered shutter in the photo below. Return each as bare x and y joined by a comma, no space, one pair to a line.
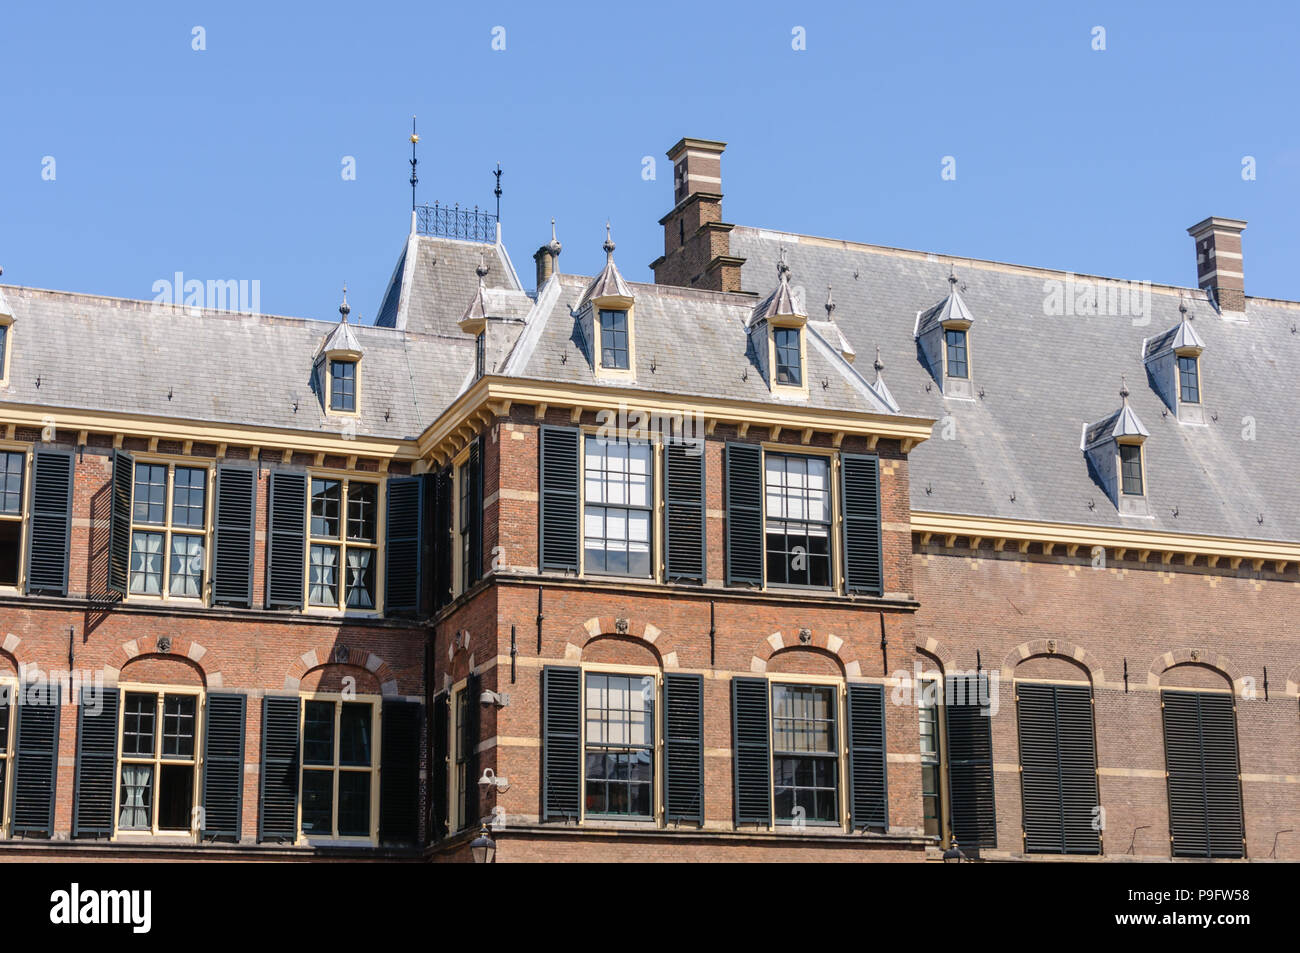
49,535
970,762
223,765
744,487
860,495
286,543
559,498
233,535
473,688
96,768
119,521
751,751
399,772
443,544
684,512
561,743
278,814
868,784
36,756
684,747
1204,780
441,751
1058,777
403,529
475,475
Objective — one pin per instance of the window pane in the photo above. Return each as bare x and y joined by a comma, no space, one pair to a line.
175,797
150,493
361,579
136,799
354,803
318,733
189,491
1130,457
617,537
956,341
362,507
620,744
317,802
354,733
343,385
325,508
323,576
186,574
11,479
789,364
146,563
613,339
138,717
178,726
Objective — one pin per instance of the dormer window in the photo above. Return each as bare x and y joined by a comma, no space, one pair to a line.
789,356
954,340
613,340
1130,466
4,347
343,386
1173,364
1189,385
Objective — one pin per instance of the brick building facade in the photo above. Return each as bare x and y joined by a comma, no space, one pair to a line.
642,572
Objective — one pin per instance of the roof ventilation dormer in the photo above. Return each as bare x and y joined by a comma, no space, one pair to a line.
605,313
831,332
336,368
1115,452
942,335
777,339
1173,363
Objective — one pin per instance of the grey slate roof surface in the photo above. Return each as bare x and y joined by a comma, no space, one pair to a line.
696,340
1044,377
435,281
112,354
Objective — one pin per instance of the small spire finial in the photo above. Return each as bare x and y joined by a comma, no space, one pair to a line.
1123,389
830,304
414,178
782,267
482,269
878,365
554,245
1182,305
609,242
952,275
497,190
343,308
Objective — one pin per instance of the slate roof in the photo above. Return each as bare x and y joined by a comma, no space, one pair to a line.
1043,377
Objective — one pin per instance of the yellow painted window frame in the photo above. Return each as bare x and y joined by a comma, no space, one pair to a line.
793,323
457,524
841,747
350,357
658,561
833,459
209,466
941,743
964,327
657,810
157,760
345,479
1195,355
598,305
21,518
10,686
376,726
454,757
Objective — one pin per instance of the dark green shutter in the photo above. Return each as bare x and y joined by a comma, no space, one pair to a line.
49,536
970,762
475,475
441,751
223,765
744,514
684,512
399,772
93,808
286,542
1201,760
234,532
404,529
868,785
561,743
473,688
684,747
444,546
278,812
36,756
119,521
1058,768
751,751
559,498
863,555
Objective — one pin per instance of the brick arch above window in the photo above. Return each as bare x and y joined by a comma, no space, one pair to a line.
1293,681
659,642
169,669
14,654
1053,647
827,642
172,647
1214,660
939,652
340,655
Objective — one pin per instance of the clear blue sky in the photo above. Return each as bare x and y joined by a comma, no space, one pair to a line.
226,163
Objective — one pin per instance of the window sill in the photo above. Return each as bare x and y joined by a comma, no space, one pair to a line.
336,842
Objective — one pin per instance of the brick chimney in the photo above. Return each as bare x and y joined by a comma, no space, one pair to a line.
547,258
697,243
1218,261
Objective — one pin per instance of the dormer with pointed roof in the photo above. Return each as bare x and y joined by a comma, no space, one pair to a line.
493,318
1173,364
606,315
336,367
1114,449
942,336
777,335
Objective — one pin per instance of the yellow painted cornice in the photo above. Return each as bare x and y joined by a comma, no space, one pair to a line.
1233,549
492,392
197,431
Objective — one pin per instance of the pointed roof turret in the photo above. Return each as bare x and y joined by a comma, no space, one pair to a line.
1123,423
609,284
781,302
476,313
1182,338
342,340
950,312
